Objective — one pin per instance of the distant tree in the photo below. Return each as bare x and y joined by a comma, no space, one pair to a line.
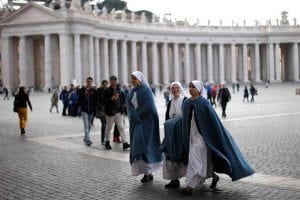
112,4
148,14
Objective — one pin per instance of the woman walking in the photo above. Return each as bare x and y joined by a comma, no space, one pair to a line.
175,162
21,101
145,156
211,147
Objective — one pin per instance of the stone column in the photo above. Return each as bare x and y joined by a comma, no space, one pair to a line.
240,70
227,63
277,62
295,62
210,71
133,57
245,64
165,64
233,64
124,67
176,62
155,75
271,62
7,74
97,62
48,62
221,63
187,67
22,62
198,61
91,57
257,63
77,53
114,58
65,78
105,70
144,60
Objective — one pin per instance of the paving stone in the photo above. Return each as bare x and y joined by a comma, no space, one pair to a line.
267,133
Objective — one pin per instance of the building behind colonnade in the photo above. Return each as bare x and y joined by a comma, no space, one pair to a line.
46,48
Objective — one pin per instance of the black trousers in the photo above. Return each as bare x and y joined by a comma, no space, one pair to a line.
223,105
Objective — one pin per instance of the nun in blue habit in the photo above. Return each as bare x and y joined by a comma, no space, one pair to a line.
175,159
211,147
145,156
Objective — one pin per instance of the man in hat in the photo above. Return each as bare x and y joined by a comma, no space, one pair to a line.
114,101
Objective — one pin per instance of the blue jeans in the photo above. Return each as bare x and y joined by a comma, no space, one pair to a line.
87,121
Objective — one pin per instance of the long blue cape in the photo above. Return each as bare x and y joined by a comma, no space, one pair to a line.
172,145
226,156
143,126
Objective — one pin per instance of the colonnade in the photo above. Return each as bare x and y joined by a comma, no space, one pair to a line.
82,55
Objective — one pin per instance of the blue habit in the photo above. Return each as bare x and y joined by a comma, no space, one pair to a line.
225,154
172,145
143,126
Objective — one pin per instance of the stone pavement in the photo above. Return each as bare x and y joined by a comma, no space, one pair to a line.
51,162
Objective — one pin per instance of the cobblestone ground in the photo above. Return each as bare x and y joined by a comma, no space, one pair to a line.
51,162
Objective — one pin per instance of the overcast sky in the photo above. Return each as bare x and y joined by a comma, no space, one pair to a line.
227,10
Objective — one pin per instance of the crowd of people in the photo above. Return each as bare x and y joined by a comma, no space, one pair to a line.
196,145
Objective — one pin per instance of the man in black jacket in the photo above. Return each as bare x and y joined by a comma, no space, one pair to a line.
100,108
87,102
114,101
224,97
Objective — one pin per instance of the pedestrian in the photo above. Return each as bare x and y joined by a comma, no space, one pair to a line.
54,101
246,94
214,92
69,106
64,99
114,101
20,103
87,103
233,88
100,108
73,101
5,90
175,159
224,97
208,92
145,156
267,83
253,91
211,147
237,86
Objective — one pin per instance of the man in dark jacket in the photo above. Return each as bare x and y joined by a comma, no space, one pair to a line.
224,97
87,102
100,108
114,101
64,98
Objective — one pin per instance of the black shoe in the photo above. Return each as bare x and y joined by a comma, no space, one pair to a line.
107,145
173,184
22,131
126,146
214,182
88,143
187,191
147,178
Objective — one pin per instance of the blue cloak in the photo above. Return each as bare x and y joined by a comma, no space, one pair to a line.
172,145
225,154
143,126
